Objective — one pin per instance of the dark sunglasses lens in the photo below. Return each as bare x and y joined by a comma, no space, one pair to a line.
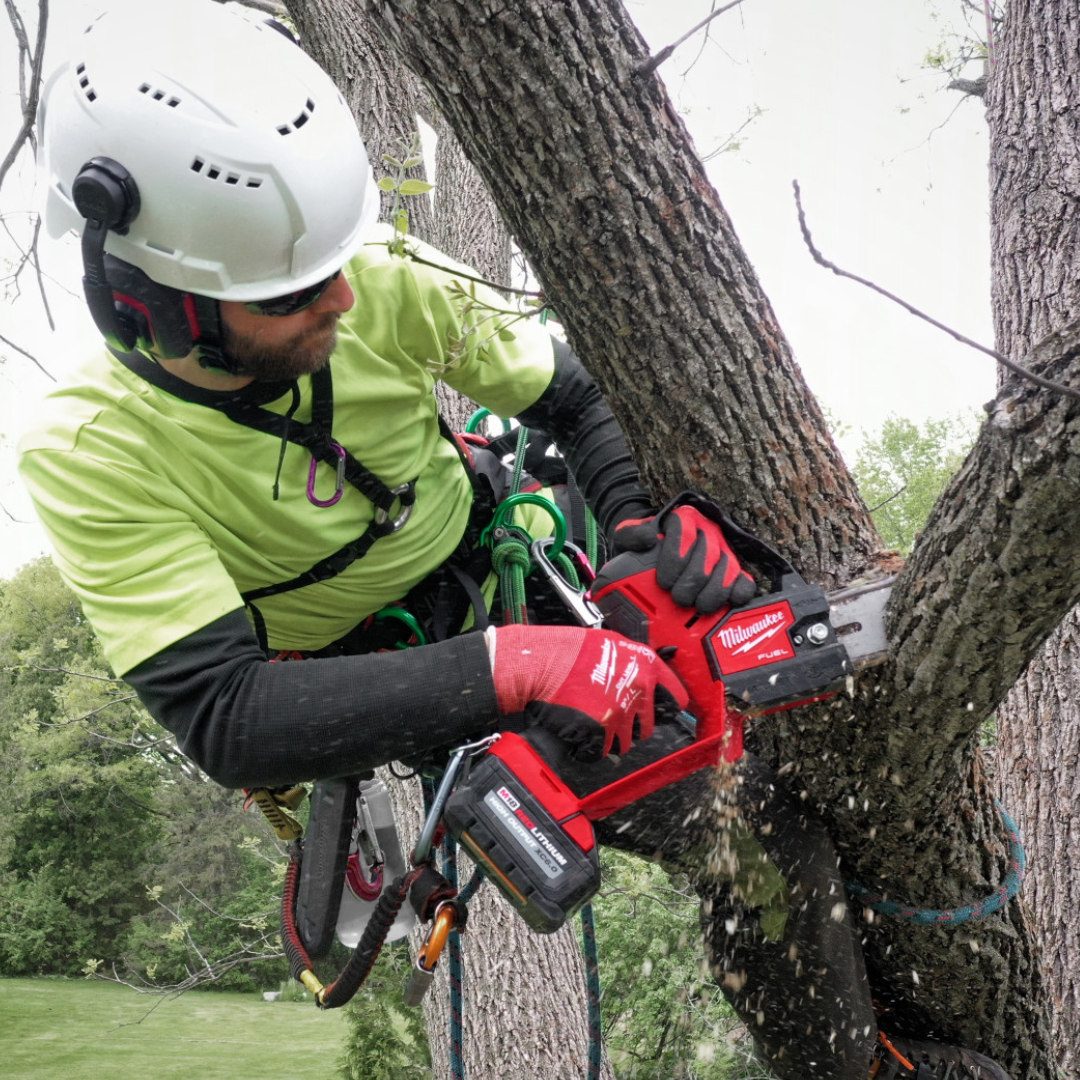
293,302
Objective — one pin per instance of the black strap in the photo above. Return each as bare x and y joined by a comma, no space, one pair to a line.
245,407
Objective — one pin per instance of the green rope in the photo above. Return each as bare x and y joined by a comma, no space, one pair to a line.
511,560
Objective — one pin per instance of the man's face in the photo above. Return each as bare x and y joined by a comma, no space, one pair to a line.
277,348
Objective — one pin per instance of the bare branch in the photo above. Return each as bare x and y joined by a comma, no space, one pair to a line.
11,345
11,517
68,671
650,65
33,82
269,7
1018,369
885,502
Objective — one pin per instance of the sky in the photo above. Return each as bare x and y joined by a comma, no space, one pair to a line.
832,93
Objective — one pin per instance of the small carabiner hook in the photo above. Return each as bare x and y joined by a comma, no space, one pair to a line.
339,490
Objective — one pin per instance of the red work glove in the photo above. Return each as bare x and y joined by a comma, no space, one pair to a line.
694,562
594,689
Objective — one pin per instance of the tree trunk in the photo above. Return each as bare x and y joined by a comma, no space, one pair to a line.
506,1034
603,191
1034,115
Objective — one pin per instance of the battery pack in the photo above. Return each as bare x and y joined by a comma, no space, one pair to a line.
522,825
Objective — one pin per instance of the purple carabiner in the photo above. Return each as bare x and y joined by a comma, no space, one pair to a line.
340,451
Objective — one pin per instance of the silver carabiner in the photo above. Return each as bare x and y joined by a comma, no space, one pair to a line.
582,608
382,516
446,786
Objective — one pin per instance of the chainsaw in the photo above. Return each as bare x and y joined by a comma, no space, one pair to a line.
532,835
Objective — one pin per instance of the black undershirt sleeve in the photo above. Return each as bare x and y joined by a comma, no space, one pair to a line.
249,723
573,413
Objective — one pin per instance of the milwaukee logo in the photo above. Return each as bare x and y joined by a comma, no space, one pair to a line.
604,671
743,638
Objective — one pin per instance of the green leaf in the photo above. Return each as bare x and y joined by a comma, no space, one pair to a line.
387,183
506,335
415,187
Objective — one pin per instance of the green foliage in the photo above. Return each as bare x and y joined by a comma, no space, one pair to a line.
902,471
214,878
79,782
663,1016
117,853
401,187
387,1039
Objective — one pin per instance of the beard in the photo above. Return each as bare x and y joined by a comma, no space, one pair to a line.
304,353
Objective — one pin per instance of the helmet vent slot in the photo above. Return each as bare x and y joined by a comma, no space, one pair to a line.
84,83
159,95
300,121
214,172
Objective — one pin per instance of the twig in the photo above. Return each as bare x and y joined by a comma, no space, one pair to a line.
37,272
31,102
68,671
1018,369
12,517
411,253
650,65
885,502
266,6
29,356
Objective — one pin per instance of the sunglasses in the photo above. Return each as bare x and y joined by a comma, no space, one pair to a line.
293,302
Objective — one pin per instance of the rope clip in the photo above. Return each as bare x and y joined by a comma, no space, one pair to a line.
339,490
422,851
577,600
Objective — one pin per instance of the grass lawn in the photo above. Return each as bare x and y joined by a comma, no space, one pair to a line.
58,1029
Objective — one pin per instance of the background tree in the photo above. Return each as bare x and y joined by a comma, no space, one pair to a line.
80,818
1033,110
388,102
903,469
601,188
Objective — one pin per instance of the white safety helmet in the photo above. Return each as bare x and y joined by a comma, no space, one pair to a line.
252,180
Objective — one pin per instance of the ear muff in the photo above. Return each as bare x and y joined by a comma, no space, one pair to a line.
130,309
163,319
105,193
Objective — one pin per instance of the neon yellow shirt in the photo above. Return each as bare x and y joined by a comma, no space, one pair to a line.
161,511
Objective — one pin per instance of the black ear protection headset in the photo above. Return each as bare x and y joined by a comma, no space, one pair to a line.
131,310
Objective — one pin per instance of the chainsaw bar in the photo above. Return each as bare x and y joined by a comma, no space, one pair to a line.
857,614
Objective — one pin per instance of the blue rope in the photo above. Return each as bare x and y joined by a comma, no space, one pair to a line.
979,910
457,1060
592,980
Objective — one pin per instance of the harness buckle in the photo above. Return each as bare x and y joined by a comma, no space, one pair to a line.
383,516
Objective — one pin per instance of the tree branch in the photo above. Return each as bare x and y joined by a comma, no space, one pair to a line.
1014,367
650,65
29,356
33,83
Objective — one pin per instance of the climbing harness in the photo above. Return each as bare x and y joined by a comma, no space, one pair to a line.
433,894
951,917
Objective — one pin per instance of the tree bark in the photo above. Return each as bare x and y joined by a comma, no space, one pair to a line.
510,1011
1033,105
604,193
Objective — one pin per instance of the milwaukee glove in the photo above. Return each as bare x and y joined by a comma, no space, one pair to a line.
594,689
693,562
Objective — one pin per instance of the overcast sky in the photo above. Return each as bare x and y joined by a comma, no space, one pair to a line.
892,168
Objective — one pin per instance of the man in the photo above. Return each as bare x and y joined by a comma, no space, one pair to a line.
258,466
